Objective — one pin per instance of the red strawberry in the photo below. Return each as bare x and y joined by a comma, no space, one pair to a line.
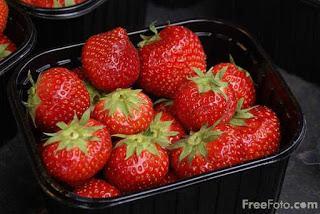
94,94
168,179
203,100
6,47
137,162
56,96
78,151
260,131
205,151
110,60
4,11
52,3
164,105
167,59
239,80
125,111
97,188
165,125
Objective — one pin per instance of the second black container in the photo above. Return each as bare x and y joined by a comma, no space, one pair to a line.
61,26
20,31
217,192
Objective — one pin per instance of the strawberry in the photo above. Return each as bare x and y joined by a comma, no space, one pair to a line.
97,188
56,96
260,130
52,3
95,95
138,162
6,47
4,12
110,60
164,105
168,179
207,150
124,111
204,99
78,150
167,59
239,80
164,124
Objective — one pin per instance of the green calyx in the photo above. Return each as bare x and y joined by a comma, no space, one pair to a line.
123,100
74,135
240,69
93,93
209,81
160,131
137,143
33,98
147,40
67,3
195,144
157,133
240,116
3,51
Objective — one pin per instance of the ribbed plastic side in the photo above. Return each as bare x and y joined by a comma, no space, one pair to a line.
218,196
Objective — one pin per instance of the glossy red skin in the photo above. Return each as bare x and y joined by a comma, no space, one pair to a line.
242,85
62,94
74,166
119,123
223,152
47,3
175,126
168,179
167,63
4,11
261,135
163,107
110,60
80,73
194,109
97,188
137,172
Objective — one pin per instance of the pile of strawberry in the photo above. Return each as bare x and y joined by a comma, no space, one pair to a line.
52,3
6,46
201,121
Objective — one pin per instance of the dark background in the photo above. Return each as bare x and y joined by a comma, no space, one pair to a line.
288,30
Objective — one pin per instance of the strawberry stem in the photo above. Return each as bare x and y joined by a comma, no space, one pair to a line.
241,115
74,135
147,40
123,100
195,144
209,82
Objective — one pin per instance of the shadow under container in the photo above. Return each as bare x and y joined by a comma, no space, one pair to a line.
218,192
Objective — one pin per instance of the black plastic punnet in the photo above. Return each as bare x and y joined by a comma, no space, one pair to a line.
21,31
62,26
218,192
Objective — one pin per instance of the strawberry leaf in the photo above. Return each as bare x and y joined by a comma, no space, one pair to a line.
76,134
147,40
123,100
